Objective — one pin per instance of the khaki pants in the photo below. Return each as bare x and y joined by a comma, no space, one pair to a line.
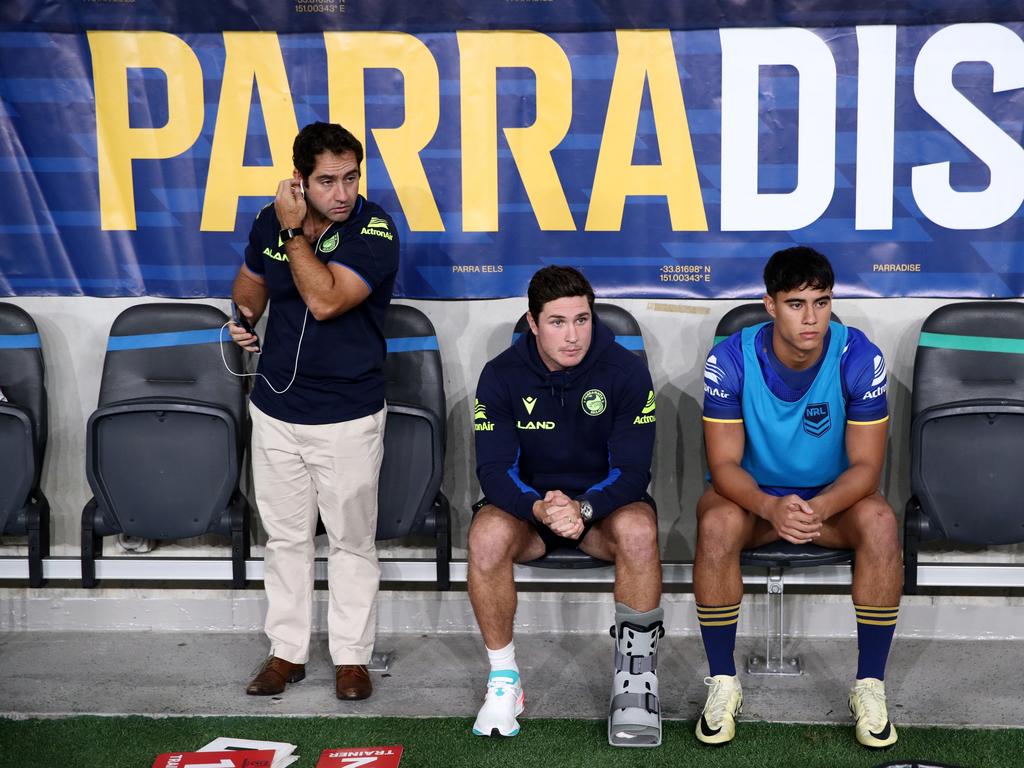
298,469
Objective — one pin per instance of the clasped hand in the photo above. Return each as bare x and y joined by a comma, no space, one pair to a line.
560,513
794,519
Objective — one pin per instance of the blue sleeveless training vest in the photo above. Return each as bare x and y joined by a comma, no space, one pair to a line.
800,444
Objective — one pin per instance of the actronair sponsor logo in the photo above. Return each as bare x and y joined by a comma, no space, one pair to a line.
713,372
480,422
879,371
878,383
876,392
713,375
649,406
647,415
378,227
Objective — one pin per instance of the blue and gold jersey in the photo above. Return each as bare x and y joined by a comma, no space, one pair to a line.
795,421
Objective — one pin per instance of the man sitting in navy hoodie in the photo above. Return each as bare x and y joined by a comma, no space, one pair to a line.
564,424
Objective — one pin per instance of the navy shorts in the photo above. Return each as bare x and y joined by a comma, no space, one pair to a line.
552,540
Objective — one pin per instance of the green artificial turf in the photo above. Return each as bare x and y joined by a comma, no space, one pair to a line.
127,742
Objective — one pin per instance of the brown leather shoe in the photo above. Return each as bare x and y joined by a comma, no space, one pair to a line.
272,676
352,681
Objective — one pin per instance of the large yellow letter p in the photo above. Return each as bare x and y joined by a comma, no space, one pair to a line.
113,53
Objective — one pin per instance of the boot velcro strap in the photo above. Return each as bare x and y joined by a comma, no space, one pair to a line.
646,701
635,665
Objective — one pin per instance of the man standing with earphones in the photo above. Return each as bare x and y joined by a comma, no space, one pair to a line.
326,260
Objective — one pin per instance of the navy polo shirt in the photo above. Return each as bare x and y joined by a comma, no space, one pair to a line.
341,364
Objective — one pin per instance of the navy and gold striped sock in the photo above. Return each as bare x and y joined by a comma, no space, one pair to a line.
875,628
718,630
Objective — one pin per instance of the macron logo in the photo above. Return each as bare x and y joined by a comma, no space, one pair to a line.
712,371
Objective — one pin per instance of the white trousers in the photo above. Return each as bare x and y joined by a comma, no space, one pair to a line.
297,470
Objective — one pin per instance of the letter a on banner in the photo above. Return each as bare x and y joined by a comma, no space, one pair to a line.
250,57
349,55
480,56
646,55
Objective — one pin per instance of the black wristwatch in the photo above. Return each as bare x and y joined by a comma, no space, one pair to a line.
586,510
288,234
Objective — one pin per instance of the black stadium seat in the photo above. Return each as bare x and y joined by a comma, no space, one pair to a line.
779,555
410,499
967,430
164,449
24,510
627,334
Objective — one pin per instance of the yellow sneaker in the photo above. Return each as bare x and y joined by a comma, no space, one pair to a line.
717,723
867,705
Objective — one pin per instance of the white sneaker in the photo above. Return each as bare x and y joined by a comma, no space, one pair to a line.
867,705
502,705
717,724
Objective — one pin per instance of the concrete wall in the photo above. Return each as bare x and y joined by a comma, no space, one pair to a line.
677,335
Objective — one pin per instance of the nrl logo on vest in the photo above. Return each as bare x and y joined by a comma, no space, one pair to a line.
816,419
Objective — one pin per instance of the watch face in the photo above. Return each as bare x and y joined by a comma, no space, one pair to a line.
586,511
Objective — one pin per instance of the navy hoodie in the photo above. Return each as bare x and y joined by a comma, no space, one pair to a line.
587,430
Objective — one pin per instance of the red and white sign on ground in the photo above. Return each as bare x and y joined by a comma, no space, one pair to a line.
249,758
360,757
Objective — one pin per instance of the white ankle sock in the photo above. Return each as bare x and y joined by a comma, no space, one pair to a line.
503,658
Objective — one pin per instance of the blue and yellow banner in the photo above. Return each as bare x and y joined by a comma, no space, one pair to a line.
666,153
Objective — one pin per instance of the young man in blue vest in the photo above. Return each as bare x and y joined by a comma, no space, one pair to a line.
564,423
795,422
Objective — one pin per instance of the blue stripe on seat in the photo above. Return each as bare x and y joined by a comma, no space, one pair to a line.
154,340
632,343
19,341
412,344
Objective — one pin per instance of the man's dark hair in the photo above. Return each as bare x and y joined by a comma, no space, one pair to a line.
799,267
552,283
322,137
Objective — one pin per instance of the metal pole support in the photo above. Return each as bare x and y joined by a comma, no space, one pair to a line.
774,662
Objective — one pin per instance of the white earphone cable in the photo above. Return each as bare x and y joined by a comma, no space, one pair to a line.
295,370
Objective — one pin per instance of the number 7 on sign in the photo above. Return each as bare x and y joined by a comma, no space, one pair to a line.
361,757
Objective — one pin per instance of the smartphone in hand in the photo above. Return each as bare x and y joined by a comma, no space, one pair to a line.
243,321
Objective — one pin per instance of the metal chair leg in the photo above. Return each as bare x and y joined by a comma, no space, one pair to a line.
774,661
